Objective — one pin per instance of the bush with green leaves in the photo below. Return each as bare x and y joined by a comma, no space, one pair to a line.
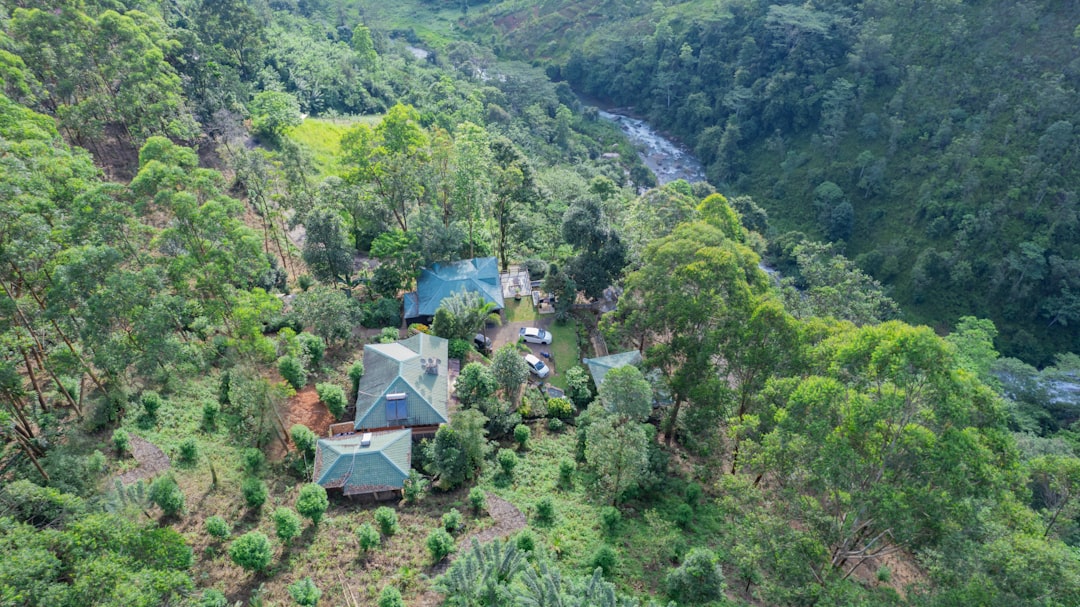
210,412
189,451
577,386
684,515
439,544
459,348
693,494
388,335
304,281
151,403
414,487
121,441
286,524
304,439
292,369
305,592
391,597
333,397
697,580
356,372
605,559
95,462
477,499
387,520
252,551
610,517
566,472
545,510
522,433
368,537
555,425
312,346
254,460
452,520
507,461
312,502
217,527
525,541
254,491
560,408
212,598
166,494
224,385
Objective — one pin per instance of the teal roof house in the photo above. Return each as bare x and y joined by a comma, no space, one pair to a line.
405,385
369,463
438,282
598,367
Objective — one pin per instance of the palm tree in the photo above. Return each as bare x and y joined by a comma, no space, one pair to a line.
471,313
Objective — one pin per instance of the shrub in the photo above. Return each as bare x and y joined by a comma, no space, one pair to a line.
252,551
693,494
521,435
286,524
151,403
545,510
292,369
312,502
477,499
368,537
210,411
459,348
254,491
189,451
560,408
610,517
390,597
684,515
253,460
212,598
333,397
387,520
217,527
304,439
313,346
507,461
413,488
356,371
167,495
606,559
555,425
698,580
388,335
577,386
121,441
566,472
224,384
417,327
452,520
304,281
384,312
95,463
305,592
525,541
439,544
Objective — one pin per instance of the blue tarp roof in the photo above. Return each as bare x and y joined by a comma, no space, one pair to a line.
443,279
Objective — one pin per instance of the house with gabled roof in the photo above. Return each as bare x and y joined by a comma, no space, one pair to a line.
373,463
599,366
405,385
480,275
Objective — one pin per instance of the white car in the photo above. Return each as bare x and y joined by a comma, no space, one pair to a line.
534,335
537,366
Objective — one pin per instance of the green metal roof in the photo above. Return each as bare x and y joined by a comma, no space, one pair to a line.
342,462
403,368
444,279
599,366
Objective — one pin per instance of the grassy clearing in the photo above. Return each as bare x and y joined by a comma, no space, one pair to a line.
564,343
322,137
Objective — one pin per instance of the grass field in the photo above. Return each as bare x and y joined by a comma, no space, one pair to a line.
322,137
564,343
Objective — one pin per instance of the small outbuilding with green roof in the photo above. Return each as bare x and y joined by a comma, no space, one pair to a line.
441,280
371,463
599,366
405,385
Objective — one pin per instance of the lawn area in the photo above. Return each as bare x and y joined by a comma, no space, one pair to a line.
564,343
322,137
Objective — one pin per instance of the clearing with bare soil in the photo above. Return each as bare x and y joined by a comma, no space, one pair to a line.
152,461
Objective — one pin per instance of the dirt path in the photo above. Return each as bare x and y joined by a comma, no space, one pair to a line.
152,461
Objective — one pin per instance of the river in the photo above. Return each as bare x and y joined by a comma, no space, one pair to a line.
665,158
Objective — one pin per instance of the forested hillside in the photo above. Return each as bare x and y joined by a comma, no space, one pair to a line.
211,217
934,140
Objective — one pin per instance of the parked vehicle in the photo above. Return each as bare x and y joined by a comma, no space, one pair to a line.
537,366
482,343
534,335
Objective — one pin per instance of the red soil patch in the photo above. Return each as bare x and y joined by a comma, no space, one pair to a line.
306,409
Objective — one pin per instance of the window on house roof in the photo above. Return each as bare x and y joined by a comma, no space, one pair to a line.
397,411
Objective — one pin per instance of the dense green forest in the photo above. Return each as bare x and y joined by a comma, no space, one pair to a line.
934,140
209,207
